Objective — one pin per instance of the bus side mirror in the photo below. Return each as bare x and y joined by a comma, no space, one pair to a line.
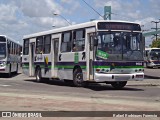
95,41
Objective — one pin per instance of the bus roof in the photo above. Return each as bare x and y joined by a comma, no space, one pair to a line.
10,39
72,27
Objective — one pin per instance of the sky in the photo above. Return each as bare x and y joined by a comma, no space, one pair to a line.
23,17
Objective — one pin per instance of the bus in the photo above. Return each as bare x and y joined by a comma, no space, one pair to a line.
152,57
10,52
110,52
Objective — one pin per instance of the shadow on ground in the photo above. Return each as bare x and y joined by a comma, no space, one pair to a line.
5,75
91,86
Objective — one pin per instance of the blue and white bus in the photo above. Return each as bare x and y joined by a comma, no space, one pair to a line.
96,51
10,51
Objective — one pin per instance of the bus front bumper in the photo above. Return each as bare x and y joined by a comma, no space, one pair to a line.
100,77
3,69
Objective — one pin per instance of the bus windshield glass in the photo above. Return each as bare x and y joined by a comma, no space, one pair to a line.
155,54
2,50
117,46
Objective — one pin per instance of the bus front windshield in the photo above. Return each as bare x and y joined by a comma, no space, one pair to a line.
2,50
113,46
155,54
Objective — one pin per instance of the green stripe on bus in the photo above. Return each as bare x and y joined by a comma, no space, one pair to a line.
101,66
68,67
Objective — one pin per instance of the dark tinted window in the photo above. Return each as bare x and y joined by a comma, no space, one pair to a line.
26,47
2,39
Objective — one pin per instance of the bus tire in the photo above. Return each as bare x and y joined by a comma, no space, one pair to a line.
16,69
9,73
119,84
38,75
78,78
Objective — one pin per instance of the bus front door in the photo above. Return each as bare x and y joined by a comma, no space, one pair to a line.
90,53
31,62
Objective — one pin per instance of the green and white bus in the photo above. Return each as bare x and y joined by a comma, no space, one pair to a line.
96,51
10,52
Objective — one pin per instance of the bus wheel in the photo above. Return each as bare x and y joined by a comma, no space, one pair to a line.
78,78
119,85
9,73
17,69
38,75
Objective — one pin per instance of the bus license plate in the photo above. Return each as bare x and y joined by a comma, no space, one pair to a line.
122,77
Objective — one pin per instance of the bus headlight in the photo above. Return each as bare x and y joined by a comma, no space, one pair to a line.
3,64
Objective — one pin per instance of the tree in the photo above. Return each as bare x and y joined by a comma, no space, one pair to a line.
156,43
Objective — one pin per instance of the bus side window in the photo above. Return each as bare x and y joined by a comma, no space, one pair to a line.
146,53
78,40
39,45
66,42
25,47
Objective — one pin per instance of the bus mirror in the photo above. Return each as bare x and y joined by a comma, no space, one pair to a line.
95,41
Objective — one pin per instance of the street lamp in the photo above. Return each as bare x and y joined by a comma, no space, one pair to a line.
62,17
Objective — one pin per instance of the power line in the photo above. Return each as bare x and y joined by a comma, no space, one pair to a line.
92,8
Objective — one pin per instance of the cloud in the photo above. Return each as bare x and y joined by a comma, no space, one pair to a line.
21,17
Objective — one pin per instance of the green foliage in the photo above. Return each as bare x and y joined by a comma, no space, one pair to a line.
156,43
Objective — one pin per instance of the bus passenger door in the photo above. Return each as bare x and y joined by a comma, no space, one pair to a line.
90,54
55,55
31,59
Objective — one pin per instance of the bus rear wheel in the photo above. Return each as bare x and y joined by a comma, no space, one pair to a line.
78,78
38,75
119,84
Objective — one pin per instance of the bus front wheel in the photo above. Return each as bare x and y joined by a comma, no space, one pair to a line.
38,75
119,84
78,78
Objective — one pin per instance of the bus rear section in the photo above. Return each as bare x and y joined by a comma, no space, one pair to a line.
152,57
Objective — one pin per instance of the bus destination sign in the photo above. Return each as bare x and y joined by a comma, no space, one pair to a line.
118,26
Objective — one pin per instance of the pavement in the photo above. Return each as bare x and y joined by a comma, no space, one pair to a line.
151,78
153,73
145,82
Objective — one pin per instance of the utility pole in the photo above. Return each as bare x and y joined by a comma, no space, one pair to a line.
156,28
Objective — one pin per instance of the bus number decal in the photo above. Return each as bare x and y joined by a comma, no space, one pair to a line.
138,63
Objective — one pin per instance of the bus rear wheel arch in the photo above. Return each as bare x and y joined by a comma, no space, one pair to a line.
38,74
